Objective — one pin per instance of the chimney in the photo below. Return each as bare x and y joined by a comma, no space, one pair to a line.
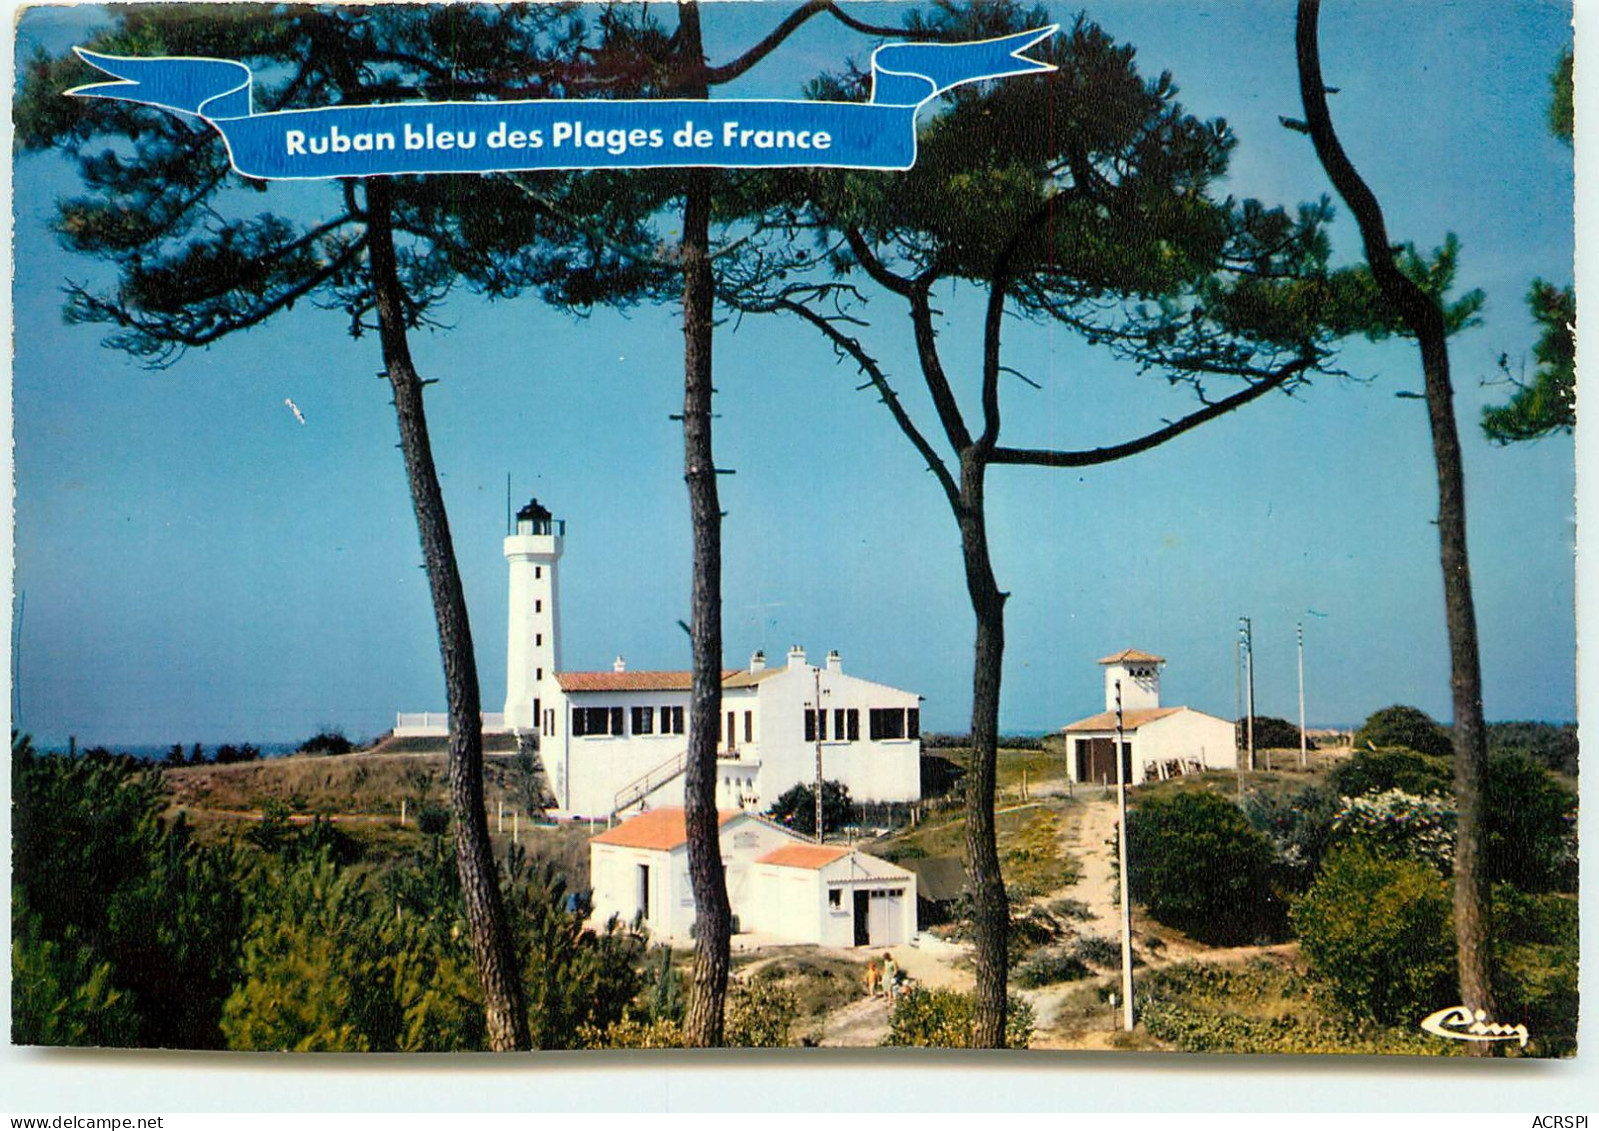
758,661
619,665
796,656
835,663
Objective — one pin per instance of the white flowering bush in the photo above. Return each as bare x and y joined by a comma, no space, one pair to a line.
1414,826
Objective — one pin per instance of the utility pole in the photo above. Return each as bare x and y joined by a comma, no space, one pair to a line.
1121,853
1246,634
1304,744
821,721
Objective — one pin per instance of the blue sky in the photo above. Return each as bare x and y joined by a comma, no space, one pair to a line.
199,566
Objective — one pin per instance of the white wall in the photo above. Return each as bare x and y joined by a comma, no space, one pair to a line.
614,876
1188,735
885,770
587,771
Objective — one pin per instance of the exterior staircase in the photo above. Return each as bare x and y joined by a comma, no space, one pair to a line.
648,782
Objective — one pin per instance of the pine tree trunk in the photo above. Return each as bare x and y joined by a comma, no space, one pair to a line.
991,919
1424,319
712,913
713,916
1473,892
487,924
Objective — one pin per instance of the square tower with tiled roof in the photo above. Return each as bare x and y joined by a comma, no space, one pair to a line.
1139,675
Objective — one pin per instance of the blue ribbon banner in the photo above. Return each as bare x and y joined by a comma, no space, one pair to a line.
490,137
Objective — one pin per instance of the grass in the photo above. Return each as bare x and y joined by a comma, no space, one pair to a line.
820,983
1028,840
1012,765
346,783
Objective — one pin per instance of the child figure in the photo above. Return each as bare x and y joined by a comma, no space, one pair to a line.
890,975
874,977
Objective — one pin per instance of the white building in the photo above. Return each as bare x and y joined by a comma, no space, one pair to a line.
778,883
1157,741
616,741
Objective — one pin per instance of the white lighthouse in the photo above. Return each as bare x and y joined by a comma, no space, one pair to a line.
533,654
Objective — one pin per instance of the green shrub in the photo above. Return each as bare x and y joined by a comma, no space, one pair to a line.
1098,950
433,818
1376,771
1272,733
1377,931
1198,866
1033,928
326,742
1551,745
1299,828
1531,821
61,992
1047,967
101,869
1407,727
1535,967
1396,823
1258,1008
796,808
1071,909
760,1014
941,1018
633,1033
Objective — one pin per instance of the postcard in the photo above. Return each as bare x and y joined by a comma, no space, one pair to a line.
973,525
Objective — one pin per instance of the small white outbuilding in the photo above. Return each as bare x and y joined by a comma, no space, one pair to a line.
778,882
1157,741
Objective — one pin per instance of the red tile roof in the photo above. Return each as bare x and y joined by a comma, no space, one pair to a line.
1132,655
1131,720
661,829
653,681
811,856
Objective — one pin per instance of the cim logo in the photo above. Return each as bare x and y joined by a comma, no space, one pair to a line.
1461,1024
1560,1121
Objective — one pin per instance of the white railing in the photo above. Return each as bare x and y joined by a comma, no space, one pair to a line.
650,781
432,724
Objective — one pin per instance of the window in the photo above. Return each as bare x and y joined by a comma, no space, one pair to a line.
596,720
671,720
538,639
749,726
835,897
538,673
643,720
913,722
853,718
732,737
536,713
549,722
617,714
838,724
887,722
538,572
815,726
538,606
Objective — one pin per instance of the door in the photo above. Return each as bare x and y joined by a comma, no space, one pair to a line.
644,891
863,908
1101,760
887,917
